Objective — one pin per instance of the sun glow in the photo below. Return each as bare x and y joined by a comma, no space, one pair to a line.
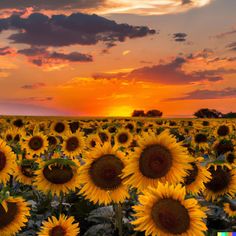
120,111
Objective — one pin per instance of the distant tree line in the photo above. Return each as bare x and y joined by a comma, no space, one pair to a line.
201,113
150,113
212,113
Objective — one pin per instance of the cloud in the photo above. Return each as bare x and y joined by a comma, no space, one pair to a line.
19,108
143,7
205,53
179,37
170,73
186,2
225,34
31,99
39,99
6,51
205,94
232,46
50,4
33,86
41,56
61,30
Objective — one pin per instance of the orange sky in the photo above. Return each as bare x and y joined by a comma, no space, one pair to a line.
188,63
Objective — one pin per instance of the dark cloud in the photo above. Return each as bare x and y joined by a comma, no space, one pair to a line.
186,2
33,86
179,37
207,94
169,74
49,4
40,56
232,46
6,51
218,71
61,30
205,53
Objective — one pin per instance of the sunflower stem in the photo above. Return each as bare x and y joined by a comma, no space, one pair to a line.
60,205
119,218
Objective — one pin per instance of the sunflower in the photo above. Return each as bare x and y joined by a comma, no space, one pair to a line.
73,144
92,141
57,176
104,135
131,126
18,123
25,171
13,215
222,130
100,176
200,140
35,144
7,162
12,135
158,158
230,157
123,138
52,141
74,126
223,146
223,182
194,181
165,211
59,127
230,209
65,226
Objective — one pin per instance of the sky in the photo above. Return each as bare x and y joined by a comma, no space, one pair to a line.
108,57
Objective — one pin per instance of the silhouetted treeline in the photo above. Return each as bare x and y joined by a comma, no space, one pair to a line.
150,113
212,113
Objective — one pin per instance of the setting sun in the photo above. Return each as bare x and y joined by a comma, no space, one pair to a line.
121,111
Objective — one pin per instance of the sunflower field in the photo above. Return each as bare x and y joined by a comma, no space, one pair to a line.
114,176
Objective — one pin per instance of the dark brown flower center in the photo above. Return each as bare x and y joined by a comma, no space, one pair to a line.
26,170
230,157
7,217
155,161
205,123
17,138
103,136
72,144
200,138
221,179
112,129
57,231
123,138
130,126
192,175
52,141
92,143
9,137
74,126
59,127
170,216
105,172
58,174
224,146
3,160
18,123
36,143
223,130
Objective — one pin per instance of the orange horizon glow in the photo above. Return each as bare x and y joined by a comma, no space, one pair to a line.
140,71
